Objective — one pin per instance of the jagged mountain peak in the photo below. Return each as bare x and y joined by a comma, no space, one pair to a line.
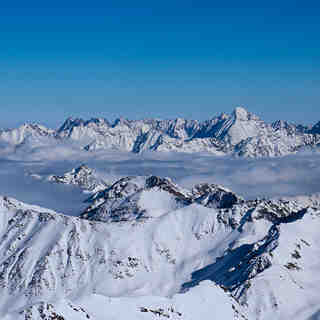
254,250
215,196
82,176
241,133
136,198
69,123
240,113
34,133
121,122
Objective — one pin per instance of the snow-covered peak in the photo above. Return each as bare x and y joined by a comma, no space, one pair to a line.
252,252
26,131
241,133
70,123
241,126
136,198
83,176
215,196
240,113
121,122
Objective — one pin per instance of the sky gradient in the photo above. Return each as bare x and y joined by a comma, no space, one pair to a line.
165,59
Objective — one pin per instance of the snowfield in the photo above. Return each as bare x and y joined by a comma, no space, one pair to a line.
146,248
222,222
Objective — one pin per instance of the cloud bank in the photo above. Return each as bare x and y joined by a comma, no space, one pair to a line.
270,178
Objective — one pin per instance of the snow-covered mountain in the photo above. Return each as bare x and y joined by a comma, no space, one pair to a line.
83,176
25,132
145,248
240,133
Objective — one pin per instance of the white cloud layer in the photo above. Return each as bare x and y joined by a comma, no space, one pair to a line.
276,177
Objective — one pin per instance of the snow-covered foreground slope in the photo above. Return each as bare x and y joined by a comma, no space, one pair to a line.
206,301
146,248
239,134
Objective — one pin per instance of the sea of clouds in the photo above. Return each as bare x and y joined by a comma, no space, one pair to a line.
264,178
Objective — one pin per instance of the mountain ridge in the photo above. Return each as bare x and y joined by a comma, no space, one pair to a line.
239,134
190,240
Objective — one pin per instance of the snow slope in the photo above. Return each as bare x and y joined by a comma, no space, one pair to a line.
147,248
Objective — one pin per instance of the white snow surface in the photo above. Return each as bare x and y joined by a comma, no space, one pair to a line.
171,254
157,202
238,134
107,235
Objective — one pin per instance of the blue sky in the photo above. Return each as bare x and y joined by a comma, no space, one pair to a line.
164,59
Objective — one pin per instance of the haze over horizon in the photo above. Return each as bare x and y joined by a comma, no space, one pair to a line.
162,60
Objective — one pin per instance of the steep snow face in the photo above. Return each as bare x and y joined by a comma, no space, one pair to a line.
292,275
242,125
157,202
144,248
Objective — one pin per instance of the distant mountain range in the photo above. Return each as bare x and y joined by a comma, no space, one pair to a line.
239,134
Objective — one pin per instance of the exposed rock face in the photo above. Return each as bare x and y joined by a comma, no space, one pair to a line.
83,176
127,199
215,196
148,236
240,133
315,129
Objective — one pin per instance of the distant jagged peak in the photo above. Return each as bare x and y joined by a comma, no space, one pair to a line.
240,133
26,132
242,114
290,128
69,123
82,176
31,127
121,122
281,124
98,122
